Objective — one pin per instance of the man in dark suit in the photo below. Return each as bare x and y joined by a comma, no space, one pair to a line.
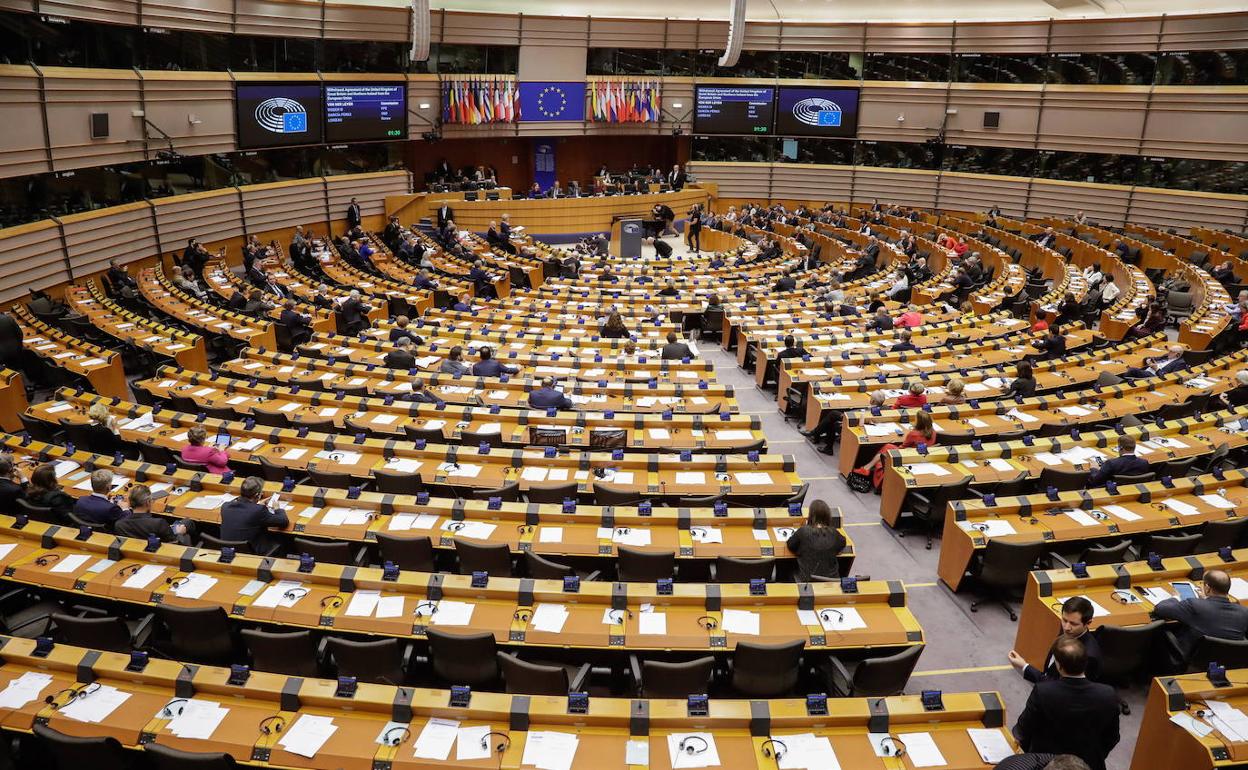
1054,345
353,215
420,394
1034,761
1046,239
791,349
354,313
140,523
904,343
401,357
669,290
675,351
196,256
98,508
882,322
322,299
12,484
1070,715
676,178
548,396
244,518
120,279
393,234
445,214
1077,614
1172,361
298,324
256,305
1216,614
1125,464
786,282
504,227
488,366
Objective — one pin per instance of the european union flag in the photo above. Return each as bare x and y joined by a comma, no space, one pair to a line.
552,101
294,122
829,117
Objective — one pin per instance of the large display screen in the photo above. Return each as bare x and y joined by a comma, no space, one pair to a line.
733,109
814,111
278,114
365,112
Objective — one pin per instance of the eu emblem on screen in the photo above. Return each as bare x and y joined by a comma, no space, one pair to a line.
282,116
552,101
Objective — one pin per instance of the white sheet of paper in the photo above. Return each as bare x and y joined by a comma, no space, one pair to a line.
472,743
999,464
96,707
24,689
549,750
453,613
198,719
1126,514
1082,518
683,759
841,619
637,752
194,585
550,535
1180,507
549,618
1218,501
436,739
652,624
932,469
807,751
362,604
307,735
533,473
403,465
752,478
990,743
145,575
1191,724
690,477
921,750
390,607
741,622
70,563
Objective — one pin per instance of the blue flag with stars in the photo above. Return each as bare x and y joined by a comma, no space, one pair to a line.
552,101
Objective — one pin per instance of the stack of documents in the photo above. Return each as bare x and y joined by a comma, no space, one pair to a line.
95,706
307,735
549,618
806,750
24,689
198,719
549,750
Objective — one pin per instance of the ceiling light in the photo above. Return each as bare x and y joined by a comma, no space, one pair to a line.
424,105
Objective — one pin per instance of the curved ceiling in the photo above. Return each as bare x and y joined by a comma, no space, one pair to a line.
838,10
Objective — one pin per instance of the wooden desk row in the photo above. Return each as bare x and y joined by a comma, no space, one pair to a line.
184,348
496,728
1191,723
989,463
101,368
161,294
605,387
701,618
1079,517
986,418
658,476
513,426
576,531
225,283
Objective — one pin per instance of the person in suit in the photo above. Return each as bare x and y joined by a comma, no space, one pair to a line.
504,227
119,278
140,522
1070,714
12,484
401,357
1024,383
1077,615
786,282
669,290
555,191
1069,311
1125,464
547,396
322,299
882,321
1046,239
298,324
488,366
1214,614
256,305
445,214
98,508
354,313
674,350
791,348
300,248
420,394
1172,361
353,215
463,304
244,518
195,256
454,362
574,189
676,178
904,344
1052,346
424,281
393,234
402,330
1031,760
443,170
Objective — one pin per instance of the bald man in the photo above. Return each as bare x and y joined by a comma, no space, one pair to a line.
1214,614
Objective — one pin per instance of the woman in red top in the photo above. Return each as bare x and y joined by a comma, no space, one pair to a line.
922,432
915,397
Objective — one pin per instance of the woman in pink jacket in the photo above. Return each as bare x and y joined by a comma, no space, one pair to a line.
216,460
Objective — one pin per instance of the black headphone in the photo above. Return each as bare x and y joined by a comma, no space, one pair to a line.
779,748
503,744
616,618
432,606
332,602
522,615
688,744
387,740
891,746
166,711
298,593
840,616
709,624
278,723
47,559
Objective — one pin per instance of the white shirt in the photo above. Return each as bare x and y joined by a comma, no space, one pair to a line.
1110,293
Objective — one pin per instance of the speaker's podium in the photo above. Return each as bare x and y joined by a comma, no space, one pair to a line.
627,234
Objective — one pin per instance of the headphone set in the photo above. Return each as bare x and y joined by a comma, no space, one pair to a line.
778,749
74,695
167,712
295,594
430,607
329,602
272,725
404,734
692,745
708,622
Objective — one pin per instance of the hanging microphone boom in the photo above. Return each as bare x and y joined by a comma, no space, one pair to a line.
420,30
736,35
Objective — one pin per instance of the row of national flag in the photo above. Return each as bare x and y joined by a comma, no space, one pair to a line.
473,101
625,101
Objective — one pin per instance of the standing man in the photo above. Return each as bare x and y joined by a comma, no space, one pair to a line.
676,179
1070,715
1076,616
445,214
353,215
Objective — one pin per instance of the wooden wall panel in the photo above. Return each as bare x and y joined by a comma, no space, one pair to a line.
626,33
909,187
171,98
388,24
275,206
979,192
751,181
125,233
822,37
18,5
910,38
72,96
1003,37
1198,123
1107,204
1181,210
198,15
108,11
1084,35
1205,33
922,105
558,31
1019,107
811,182
370,190
476,28
285,18
1078,121
208,216
24,149
31,257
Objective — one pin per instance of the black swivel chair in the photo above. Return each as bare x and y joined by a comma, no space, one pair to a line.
508,493
1231,653
1125,650
928,505
1097,554
103,632
331,552
1219,534
730,569
464,659
607,495
197,634
634,566
873,677
520,676
551,493
164,758
396,483
381,661
407,553
494,559
765,670
658,679
1004,570
70,753
292,653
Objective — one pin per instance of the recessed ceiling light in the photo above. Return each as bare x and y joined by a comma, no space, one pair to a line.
424,105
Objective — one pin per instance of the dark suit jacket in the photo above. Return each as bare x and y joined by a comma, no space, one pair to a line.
489,368
353,311
1053,347
1127,465
97,510
10,491
1070,716
1091,645
787,283
882,324
241,519
902,347
790,353
294,320
399,359
398,334
353,215
676,351
1212,616
545,398
141,525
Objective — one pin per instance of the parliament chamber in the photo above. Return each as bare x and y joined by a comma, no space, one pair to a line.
744,385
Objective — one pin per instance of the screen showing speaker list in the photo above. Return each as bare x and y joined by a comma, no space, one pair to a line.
733,109
364,112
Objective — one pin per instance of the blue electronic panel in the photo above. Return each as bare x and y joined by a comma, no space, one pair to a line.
733,109
815,111
365,112
278,114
